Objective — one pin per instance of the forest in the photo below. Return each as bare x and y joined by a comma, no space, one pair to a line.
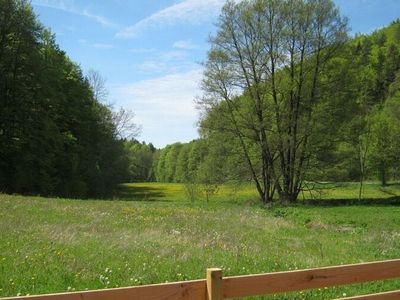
296,107
356,125
56,137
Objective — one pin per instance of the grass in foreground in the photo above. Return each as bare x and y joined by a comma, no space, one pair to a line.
55,245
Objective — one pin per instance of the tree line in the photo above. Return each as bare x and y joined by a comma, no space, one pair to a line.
56,138
289,99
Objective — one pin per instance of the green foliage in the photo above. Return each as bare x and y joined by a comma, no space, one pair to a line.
383,141
179,162
385,144
191,190
262,81
182,163
196,155
355,128
170,162
55,138
141,160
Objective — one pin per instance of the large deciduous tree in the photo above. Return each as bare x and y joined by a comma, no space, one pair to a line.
263,77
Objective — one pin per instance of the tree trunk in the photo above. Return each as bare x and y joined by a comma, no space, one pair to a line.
288,197
383,175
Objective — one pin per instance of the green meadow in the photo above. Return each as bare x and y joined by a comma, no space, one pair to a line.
152,233
246,191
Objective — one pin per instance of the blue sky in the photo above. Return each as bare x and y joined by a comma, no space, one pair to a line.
150,51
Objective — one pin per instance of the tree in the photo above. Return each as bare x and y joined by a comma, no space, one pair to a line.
125,127
122,118
263,76
196,155
141,158
19,56
210,173
385,145
182,163
55,137
382,154
171,159
98,85
159,171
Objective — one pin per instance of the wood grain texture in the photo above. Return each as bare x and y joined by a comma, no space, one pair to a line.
270,283
195,290
216,288
214,284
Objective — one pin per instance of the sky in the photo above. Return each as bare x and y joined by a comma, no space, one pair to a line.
150,51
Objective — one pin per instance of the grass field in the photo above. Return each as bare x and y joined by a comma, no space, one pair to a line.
246,191
54,245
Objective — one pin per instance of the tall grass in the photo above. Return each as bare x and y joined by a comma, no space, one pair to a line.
55,245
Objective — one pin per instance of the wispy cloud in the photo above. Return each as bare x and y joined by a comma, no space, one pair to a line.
188,11
70,7
184,44
167,62
99,19
163,105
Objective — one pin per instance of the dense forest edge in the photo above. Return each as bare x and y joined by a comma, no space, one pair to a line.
57,138
355,134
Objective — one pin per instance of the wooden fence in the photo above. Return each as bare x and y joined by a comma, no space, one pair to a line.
216,287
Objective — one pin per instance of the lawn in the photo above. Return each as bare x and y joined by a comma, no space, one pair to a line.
156,235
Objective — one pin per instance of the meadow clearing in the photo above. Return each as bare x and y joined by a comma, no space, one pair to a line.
153,234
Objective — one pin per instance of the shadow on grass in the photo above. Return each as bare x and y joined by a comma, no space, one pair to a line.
344,202
140,193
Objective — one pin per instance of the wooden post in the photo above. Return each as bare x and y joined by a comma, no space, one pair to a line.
214,284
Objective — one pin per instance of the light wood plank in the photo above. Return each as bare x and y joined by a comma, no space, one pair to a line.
216,288
393,295
214,284
270,283
195,290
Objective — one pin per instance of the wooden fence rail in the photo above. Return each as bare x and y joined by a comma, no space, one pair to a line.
216,287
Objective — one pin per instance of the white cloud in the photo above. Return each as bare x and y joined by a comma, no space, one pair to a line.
187,11
70,7
172,94
184,44
164,106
